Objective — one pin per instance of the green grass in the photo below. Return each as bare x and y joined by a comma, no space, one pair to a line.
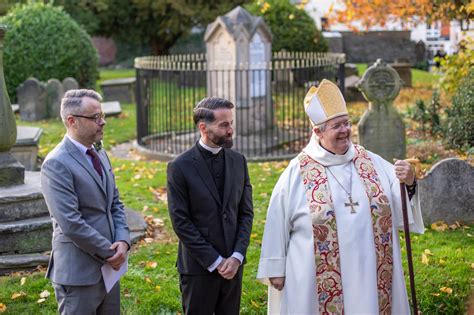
117,130
108,74
147,290
420,78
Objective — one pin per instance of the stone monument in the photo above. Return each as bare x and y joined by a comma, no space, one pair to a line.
32,100
54,94
70,84
25,225
239,56
381,128
447,192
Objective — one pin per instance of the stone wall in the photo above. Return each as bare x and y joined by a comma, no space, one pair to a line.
367,47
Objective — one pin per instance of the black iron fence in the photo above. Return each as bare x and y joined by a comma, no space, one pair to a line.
269,117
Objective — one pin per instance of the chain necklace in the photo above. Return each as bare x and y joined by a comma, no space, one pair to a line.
348,193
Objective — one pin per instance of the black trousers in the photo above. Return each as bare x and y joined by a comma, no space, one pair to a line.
211,294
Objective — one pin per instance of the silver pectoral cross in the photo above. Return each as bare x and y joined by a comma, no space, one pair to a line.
351,204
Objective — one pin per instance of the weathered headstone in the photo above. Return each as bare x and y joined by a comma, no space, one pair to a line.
32,100
70,84
403,69
111,108
447,192
352,93
121,90
54,94
239,57
381,128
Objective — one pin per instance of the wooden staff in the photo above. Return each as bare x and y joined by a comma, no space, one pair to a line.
406,228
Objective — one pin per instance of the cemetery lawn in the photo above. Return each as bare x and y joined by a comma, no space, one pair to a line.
443,260
443,256
117,130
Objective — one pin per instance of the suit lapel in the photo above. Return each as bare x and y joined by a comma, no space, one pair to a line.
229,166
81,159
204,173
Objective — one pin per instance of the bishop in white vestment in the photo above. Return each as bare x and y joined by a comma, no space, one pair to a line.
331,244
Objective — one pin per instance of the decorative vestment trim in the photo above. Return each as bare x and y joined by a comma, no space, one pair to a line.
326,246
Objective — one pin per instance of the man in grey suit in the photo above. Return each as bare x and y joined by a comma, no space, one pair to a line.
89,225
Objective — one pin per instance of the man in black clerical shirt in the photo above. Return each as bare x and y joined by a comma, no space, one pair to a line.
210,205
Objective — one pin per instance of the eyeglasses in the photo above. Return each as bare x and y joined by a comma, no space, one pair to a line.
97,117
346,124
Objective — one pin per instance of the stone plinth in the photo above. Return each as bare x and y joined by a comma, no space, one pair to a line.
121,90
26,147
22,201
447,192
381,128
11,171
25,225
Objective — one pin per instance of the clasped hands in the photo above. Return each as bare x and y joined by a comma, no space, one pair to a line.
228,267
121,249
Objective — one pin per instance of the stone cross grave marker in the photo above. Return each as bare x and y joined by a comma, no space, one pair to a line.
32,100
54,92
381,128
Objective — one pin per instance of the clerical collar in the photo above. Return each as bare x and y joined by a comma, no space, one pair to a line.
323,156
208,148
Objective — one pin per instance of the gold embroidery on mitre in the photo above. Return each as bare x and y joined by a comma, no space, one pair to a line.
329,98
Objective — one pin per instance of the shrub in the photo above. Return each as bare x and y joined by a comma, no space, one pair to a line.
457,66
459,125
43,41
292,28
428,118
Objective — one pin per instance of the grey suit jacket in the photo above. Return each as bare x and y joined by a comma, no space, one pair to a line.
87,215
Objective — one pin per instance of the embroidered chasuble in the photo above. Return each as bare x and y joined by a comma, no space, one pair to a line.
335,261
326,247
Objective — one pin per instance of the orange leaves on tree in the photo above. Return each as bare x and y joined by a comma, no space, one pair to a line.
380,12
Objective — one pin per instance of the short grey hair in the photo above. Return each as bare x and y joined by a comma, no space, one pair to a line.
72,102
321,127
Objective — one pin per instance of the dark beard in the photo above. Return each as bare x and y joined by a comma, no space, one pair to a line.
222,142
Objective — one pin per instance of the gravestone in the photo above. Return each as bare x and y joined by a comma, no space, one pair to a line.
121,90
31,96
111,108
239,58
70,84
447,192
403,69
15,108
381,128
54,94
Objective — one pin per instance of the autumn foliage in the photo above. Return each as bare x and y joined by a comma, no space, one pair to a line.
381,12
